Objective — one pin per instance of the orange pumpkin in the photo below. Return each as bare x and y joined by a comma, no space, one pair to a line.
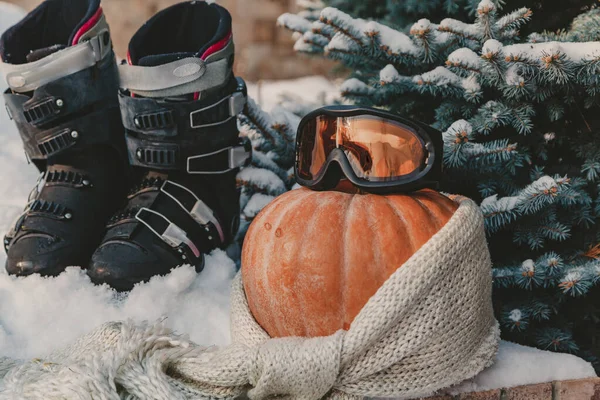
311,260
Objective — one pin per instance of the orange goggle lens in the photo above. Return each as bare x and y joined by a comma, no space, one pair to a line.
377,149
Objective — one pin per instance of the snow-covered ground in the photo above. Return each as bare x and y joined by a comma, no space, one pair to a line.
38,315
311,89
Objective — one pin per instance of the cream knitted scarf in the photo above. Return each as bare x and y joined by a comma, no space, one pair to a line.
430,326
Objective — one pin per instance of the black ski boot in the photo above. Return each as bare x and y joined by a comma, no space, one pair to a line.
63,83
179,102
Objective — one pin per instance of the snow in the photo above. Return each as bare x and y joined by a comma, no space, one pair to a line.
504,204
493,204
575,275
576,52
439,77
471,85
389,74
397,42
340,18
302,46
528,266
340,42
355,85
491,46
394,41
486,6
320,27
461,126
458,27
421,25
294,22
256,204
518,365
456,130
544,183
465,57
333,14
310,89
264,178
512,76
515,315
38,315
514,18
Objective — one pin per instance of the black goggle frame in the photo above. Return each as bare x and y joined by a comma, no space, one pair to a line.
337,165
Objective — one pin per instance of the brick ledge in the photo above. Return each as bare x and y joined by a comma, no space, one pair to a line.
582,389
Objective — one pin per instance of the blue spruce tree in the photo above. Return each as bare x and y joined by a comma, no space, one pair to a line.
519,116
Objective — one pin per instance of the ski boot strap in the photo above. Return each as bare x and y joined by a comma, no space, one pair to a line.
70,102
164,135
180,77
176,237
93,46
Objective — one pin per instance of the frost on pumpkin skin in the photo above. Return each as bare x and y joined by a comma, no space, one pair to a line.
332,253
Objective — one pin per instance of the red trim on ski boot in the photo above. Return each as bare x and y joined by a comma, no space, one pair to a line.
87,26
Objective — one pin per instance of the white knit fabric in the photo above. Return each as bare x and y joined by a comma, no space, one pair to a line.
430,326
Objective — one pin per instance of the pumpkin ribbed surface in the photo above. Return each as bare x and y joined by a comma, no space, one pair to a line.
311,260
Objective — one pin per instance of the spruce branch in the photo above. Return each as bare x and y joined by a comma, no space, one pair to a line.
486,19
509,23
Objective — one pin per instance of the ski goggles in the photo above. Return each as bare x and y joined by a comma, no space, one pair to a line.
376,151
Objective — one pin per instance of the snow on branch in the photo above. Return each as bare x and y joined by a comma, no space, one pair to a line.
421,28
513,20
357,88
261,181
389,75
460,29
391,41
501,212
445,82
491,48
260,128
546,53
309,45
456,138
322,29
515,319
255,205
343,23
355,35
342,44
465,59
315,39
294,23
486,7
486,16
545,272
428,38
438,77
